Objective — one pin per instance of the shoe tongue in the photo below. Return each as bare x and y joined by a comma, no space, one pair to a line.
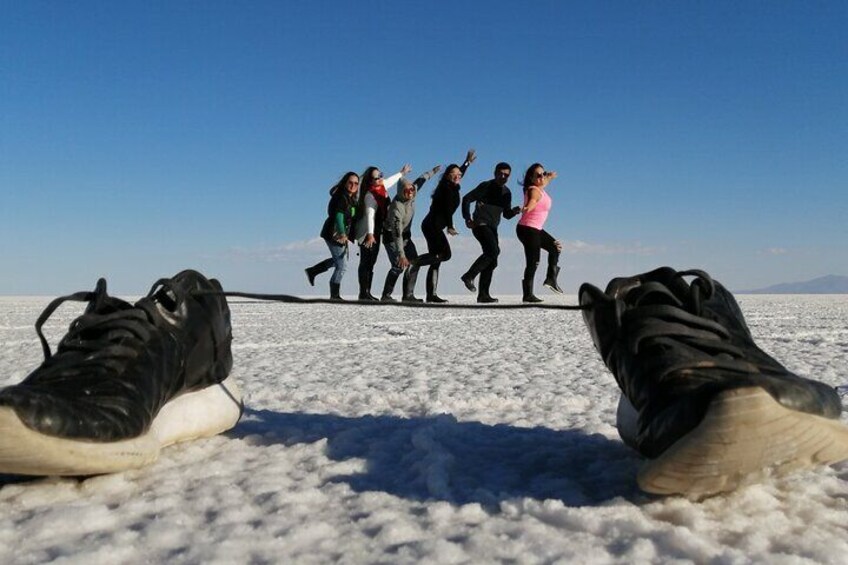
652,294
101,303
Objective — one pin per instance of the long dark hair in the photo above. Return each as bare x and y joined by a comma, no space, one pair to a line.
444,180
529,178
367,179
342,184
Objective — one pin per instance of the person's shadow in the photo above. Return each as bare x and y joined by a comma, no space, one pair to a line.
439,458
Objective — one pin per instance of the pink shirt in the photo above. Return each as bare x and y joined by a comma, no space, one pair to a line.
536,217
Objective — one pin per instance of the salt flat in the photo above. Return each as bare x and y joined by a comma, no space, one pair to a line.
397,435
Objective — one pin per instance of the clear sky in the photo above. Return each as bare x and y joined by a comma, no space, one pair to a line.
141,138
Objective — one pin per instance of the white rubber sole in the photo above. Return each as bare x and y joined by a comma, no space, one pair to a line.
554,290
193,415
745,436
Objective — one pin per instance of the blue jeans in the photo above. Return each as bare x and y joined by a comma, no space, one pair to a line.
339,253
394,254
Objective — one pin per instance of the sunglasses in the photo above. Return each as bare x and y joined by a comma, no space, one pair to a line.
377,176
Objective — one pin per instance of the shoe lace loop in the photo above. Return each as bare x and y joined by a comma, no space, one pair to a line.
659,318
105,331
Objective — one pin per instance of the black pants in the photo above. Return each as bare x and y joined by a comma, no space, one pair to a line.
368,257
488,260
534,241
437,241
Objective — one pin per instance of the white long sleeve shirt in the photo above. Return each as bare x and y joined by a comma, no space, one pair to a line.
367,223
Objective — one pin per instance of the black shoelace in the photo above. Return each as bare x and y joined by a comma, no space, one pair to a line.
100,340
657,320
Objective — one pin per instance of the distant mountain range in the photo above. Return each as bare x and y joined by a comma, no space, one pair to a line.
829,284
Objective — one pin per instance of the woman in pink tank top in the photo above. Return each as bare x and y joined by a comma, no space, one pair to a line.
537,204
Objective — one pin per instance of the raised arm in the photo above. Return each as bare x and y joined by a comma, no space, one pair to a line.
549,176
425,176
469,158
392,180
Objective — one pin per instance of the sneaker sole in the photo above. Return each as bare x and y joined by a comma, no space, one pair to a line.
554,289
745,436
193,415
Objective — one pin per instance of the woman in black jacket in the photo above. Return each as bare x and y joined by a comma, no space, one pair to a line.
336,231
445,201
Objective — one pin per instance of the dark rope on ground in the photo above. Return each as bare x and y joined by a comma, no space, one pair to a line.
287,298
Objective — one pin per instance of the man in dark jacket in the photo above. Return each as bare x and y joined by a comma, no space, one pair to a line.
493,200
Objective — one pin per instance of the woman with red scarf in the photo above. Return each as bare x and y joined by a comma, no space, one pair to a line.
373,205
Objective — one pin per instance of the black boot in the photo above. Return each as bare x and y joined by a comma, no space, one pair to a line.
389,286
432,283
551,279
699,398
483,296
335,289
410,277
365,278
527,288
317,269
476,268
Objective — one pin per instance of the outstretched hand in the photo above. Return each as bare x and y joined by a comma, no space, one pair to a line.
435,170
470,156
406,169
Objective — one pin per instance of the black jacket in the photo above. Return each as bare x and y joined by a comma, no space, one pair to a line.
444,203
340,203
492,200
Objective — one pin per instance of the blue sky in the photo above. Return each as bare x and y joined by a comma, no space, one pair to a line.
141,138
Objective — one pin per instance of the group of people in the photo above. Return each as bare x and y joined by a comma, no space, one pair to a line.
361,211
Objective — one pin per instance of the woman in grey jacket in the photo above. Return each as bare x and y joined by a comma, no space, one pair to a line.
397,234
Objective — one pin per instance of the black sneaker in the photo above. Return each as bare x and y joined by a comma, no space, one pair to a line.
709,408
125,381
468,282
551,280
553,286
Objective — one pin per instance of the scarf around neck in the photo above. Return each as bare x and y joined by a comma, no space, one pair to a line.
382,197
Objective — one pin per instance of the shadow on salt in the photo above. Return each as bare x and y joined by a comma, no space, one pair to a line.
439,458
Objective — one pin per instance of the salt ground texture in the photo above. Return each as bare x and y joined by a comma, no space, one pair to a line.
398,435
